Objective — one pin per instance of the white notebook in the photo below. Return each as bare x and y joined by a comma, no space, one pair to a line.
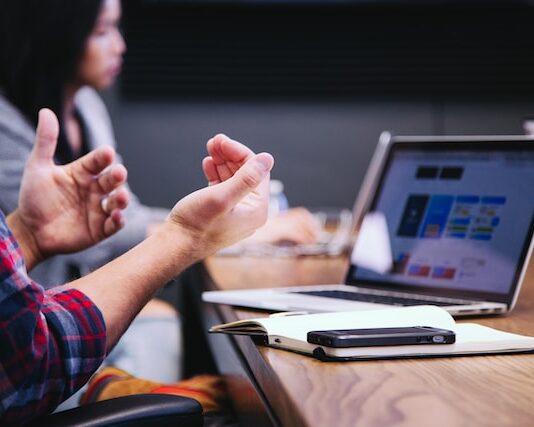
289,332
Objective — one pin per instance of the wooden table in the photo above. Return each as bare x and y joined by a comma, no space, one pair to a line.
276,387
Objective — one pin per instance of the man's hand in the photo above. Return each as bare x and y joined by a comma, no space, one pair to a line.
66,208
235,203
297,225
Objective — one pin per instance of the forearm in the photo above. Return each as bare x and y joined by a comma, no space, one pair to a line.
122,287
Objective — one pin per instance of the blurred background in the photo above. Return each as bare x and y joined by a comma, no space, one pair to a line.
313,82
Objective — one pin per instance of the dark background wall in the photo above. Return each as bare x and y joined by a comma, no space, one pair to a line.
314,84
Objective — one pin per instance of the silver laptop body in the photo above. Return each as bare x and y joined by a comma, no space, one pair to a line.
459,218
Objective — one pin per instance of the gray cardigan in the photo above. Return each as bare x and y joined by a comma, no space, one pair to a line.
16,140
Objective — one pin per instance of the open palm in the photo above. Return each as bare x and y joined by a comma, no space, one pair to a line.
61,205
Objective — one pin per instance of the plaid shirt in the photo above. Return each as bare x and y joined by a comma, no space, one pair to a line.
50,341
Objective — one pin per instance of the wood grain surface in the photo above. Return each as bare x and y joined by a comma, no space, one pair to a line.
453,391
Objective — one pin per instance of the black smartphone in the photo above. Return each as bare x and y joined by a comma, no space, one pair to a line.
382,337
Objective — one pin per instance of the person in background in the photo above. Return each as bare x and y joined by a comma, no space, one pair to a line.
51,341
58,54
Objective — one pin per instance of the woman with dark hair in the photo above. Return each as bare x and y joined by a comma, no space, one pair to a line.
57,53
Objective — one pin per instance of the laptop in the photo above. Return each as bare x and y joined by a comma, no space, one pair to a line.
458,218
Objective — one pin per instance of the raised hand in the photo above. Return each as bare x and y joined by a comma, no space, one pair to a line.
235,203
68,208
297,225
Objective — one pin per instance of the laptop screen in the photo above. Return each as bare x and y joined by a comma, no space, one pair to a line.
459,217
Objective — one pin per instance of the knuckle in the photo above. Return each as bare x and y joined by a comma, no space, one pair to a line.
251,179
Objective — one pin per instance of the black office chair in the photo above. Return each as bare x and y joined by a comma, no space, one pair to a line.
137,410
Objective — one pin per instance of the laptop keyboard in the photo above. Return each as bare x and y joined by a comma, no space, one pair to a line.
379,299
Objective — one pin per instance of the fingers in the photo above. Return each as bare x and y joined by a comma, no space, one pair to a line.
114,222
113,206
247,178
46,137
223,148
304,221
227,155
210,171
306,233
112,178
118,200
94,162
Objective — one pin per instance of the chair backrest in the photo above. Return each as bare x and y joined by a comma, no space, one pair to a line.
135,410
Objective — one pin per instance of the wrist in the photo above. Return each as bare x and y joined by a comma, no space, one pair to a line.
182,241
26,240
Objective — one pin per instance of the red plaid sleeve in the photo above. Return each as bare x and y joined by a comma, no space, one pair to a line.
50,341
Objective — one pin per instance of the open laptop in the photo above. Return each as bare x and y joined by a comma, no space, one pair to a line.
459,217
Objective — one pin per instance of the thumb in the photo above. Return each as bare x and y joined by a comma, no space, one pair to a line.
247,178
46,136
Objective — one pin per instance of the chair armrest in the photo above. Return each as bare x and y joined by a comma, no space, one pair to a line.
135,410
